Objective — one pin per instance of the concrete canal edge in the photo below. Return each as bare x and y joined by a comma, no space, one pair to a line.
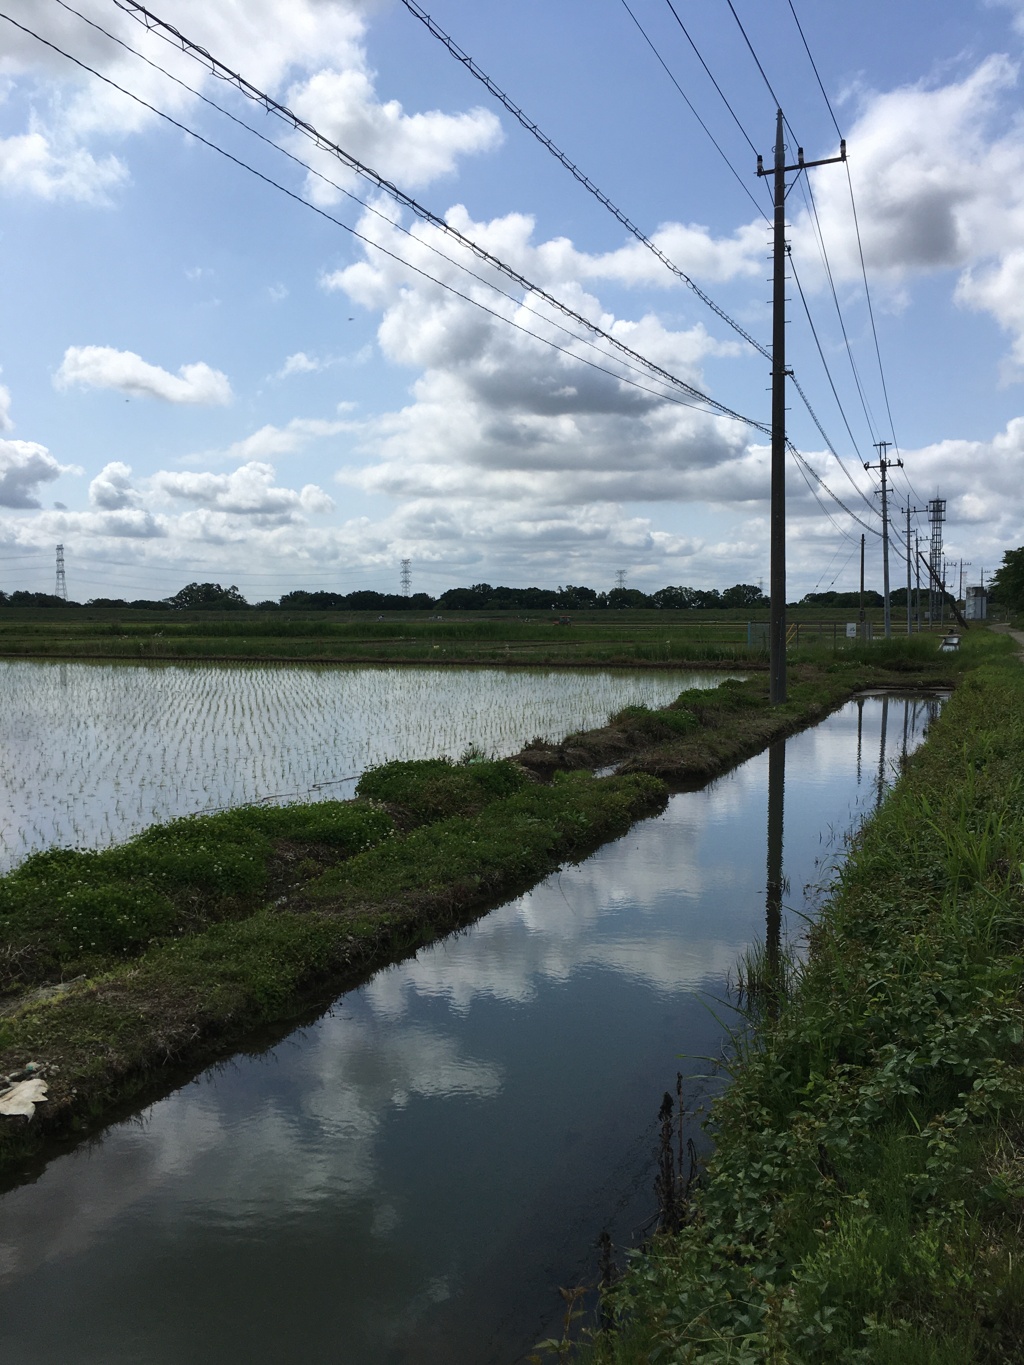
130,1030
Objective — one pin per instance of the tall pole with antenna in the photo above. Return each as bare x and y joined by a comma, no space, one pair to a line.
777,607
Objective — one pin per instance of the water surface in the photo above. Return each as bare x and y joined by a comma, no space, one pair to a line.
408,1180
93,753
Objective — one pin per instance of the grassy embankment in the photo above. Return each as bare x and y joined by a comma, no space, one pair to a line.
865,1202
644,638
118,965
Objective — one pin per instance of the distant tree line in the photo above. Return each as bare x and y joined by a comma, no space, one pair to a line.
484,597
478,597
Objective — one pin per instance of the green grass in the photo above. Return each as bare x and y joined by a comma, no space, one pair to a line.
865,1202
641,638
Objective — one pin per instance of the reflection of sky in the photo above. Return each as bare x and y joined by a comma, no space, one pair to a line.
93,753
410,1178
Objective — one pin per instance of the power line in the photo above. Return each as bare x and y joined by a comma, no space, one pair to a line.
650,43
820,240
152,22
814,68
725,101
822,484
655,369
867,295
828,372
490,284
532,128
750,45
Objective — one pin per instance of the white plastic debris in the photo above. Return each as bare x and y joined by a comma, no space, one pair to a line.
23,1097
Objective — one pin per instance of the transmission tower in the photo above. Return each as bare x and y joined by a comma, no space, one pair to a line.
620,578
406,576
936,515
61,590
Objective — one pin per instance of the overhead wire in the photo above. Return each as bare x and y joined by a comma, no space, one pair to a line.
828,372
814,68
519,303
531,127
756,58
153,23
860,248
655,370
711,78
668,71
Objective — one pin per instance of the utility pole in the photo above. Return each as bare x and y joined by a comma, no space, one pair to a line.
860,605
61,589
964,564
917,566
884,465
908,509
777,608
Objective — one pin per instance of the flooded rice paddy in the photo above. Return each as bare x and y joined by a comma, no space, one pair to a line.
93,753
410,1178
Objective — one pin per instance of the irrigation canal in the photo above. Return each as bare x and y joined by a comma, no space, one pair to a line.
411,1177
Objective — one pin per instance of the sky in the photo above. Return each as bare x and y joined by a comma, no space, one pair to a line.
227,357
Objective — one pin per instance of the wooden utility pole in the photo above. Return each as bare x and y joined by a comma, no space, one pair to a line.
777,608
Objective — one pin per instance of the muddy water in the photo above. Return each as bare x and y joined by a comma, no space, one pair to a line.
412,1177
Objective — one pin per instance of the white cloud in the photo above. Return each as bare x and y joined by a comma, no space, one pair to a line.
103,367
6,422
247,492
412,150
270,441
24,465
35,164
300,363
112,488
309,52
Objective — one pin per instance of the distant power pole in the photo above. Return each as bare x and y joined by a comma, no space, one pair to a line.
620,578
61,589
777,608
909,510
406,576
884,465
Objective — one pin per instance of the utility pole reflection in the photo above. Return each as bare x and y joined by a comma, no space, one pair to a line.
881,751
776,805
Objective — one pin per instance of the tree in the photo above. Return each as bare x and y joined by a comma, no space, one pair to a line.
743,595
1007,583
207,597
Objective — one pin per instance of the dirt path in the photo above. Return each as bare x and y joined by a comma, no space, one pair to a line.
1017,635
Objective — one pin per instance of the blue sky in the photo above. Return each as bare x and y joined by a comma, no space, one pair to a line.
202,378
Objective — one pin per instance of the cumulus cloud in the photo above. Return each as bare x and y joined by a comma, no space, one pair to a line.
24,465
411,149
300,363
103,367
6,423
309,52
112,488
270,441
248,491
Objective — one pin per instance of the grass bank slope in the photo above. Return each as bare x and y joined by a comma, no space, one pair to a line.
865,1202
